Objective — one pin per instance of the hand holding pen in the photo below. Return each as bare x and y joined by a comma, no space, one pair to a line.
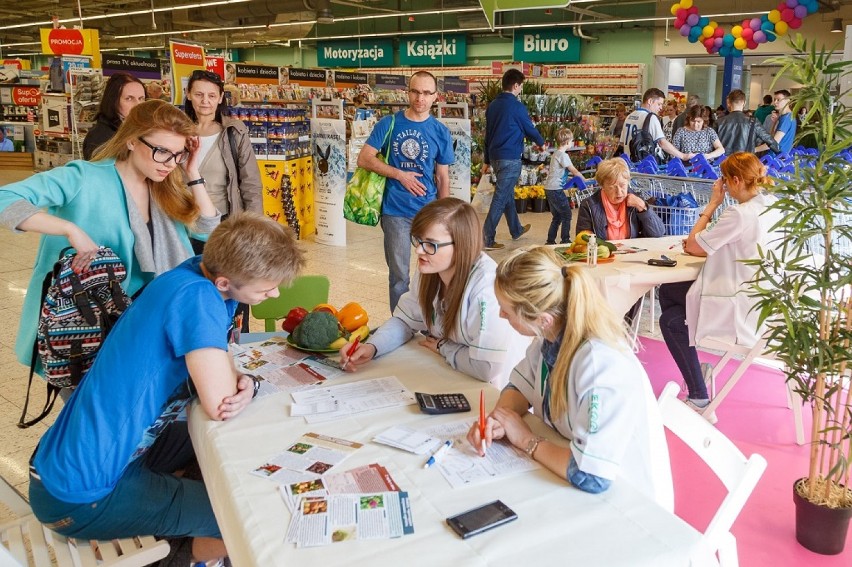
482,419
351,351
439,454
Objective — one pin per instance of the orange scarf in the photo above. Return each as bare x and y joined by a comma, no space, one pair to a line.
616,218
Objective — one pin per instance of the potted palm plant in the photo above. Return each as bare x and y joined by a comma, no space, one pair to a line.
802,287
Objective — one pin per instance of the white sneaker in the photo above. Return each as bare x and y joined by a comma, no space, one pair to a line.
700,410
709,379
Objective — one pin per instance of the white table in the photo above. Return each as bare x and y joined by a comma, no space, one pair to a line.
557,524
629,276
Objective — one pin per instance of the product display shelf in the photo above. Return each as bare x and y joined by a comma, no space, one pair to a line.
277,133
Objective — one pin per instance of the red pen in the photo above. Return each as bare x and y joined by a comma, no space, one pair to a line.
482,419
351,350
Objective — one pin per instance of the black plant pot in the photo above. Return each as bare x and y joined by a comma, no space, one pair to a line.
521,205
820,528
539,205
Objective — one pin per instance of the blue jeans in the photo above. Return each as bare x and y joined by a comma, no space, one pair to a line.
676,334
560,209
507,172
143,502
397,255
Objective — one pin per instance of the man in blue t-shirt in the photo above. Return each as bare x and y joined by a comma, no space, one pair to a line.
6,143
417,172
507,123
785,129
96,473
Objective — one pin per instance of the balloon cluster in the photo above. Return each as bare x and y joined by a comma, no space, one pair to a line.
748,35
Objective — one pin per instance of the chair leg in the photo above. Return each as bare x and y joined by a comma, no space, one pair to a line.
652,299
729,385
794,402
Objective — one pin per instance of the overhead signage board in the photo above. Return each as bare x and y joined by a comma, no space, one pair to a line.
310,77
71,42
355,53
344,79
257,74
430,50
453,85
546,46
390,82
139,67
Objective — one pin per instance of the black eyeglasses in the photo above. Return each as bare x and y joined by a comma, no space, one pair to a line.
415,92
162,155
429,247
199,75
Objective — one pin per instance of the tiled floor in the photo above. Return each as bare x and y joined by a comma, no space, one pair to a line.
357,272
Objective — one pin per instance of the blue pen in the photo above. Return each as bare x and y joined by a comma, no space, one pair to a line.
436,456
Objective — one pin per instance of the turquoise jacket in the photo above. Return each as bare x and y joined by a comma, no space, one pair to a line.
91,195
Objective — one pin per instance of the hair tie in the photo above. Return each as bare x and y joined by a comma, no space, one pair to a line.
564,271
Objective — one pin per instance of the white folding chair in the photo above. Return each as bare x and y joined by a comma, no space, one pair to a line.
749,355
32,544
738,474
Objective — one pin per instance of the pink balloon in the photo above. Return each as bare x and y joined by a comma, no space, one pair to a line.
709,43
759,36
752,44
682,14
781,6
718,42
792,3
787,15
684,30
678,23
755,24
718,32
746,23
795,23
800,11
693,10
747,34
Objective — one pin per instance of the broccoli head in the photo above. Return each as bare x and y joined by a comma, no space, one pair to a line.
317,330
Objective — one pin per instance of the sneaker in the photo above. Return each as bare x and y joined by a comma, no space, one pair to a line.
700,411
526,229
495,246
709,379
549,243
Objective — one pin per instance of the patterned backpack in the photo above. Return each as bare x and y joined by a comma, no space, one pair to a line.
77,312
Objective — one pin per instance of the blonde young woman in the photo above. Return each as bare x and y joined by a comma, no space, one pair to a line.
451,298
141,197
580,377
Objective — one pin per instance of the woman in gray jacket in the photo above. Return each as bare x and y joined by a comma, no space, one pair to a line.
613,213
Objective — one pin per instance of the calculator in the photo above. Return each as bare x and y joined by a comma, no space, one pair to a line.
442,403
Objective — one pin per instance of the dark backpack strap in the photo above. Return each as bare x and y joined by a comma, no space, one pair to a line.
118,295
81,299
233,143
646,126
52,391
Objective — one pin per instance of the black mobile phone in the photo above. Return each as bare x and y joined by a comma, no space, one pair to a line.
478,520
668,262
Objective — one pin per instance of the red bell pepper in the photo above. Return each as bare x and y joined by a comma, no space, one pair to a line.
294,317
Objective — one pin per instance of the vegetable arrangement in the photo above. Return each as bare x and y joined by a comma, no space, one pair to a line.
326,327
578,250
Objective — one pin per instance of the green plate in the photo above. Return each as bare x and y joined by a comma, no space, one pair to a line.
293,344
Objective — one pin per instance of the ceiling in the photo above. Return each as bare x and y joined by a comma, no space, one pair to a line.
141,24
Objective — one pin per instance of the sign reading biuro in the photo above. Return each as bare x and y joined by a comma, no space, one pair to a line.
364,53
546,46
430,50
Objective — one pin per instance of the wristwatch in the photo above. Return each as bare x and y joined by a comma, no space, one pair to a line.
198,181
532,445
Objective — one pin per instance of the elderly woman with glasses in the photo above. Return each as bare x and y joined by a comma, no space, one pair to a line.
141,197
451,300
226,157
613,212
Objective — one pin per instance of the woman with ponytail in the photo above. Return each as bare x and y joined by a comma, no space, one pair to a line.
716,304
580,377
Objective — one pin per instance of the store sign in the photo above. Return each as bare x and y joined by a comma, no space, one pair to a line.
257,74
184,59
310,77
363,53
184,54
344,79
26,96
390,82
137,66
216,65
546,46
453,85
446,49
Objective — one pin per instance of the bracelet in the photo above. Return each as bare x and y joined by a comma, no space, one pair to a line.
256,384
532,446
705,215
198,181
441,342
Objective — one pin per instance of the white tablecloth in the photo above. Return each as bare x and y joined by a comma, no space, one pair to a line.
557,524
629,276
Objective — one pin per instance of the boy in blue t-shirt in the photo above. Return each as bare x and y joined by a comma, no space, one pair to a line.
93,476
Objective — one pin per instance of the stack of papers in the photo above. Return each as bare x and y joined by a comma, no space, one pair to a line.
306,459
282,367
408,439
363,503
335,402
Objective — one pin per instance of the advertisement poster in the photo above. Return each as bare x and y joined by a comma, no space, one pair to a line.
328,134
139,67
61,41
460,131
257,83
216,65
185,58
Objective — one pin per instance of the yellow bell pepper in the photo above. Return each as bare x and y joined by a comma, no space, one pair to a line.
352,316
